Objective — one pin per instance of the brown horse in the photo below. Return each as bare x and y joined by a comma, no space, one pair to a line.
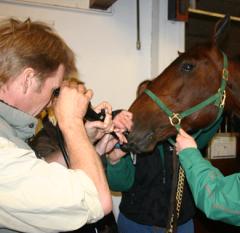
191,79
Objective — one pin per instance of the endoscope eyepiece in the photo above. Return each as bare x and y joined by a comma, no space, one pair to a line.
56,92
91,115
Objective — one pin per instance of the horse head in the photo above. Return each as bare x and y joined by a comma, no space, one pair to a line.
192,78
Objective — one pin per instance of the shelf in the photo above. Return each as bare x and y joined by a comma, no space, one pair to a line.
101,4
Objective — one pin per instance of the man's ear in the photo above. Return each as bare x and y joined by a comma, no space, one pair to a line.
27,79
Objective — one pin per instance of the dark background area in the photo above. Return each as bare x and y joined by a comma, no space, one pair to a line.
199,28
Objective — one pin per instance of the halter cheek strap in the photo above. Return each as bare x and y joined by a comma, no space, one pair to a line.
218,99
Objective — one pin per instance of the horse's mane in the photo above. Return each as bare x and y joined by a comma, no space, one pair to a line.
207,44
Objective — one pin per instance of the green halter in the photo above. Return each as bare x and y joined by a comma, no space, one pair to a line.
218,99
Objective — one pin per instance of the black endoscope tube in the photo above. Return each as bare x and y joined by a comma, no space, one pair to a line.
62,147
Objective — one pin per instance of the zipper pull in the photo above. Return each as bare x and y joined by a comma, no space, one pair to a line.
164,176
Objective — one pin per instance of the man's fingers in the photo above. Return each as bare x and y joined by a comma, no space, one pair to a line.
104,105
184,134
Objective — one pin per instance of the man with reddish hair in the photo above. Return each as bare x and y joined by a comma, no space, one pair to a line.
36,196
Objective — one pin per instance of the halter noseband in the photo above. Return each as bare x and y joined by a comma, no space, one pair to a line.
218,99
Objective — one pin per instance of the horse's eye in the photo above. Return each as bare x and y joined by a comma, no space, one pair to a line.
187,67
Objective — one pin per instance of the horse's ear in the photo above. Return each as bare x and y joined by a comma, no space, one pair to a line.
220,29
180,53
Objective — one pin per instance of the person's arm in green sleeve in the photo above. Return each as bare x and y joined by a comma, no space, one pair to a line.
217,196
121,175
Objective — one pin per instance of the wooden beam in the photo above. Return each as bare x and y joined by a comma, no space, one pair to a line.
101,4
213,14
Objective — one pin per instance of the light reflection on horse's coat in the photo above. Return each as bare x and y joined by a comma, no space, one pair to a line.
193,77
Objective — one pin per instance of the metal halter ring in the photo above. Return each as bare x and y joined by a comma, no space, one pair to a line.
175,119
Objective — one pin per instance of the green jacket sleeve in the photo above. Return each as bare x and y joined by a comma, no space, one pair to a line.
121,175
217,196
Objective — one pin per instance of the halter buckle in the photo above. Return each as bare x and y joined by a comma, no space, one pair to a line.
225,73
175,119
223,99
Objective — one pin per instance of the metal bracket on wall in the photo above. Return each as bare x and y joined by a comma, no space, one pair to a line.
138,44
70,5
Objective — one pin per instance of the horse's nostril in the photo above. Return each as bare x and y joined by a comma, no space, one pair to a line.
149,137
125,147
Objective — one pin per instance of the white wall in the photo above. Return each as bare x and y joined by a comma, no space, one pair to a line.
168,37
105,44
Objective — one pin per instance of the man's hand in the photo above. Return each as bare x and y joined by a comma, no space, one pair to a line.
71,105
97,129
105,144
184,141
123,121
115,155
